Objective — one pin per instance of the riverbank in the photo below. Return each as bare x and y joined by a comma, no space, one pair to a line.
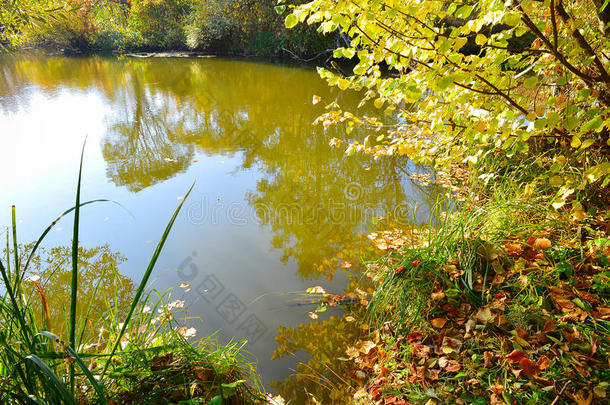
504,301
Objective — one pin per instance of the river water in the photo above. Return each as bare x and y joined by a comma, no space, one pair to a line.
272,204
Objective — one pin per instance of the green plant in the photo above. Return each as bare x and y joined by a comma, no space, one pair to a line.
39,366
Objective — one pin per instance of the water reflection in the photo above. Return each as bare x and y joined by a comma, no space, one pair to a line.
165,114
103,293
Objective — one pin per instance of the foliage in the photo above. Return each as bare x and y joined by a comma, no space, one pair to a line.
159,22
219,26
532,328
476,80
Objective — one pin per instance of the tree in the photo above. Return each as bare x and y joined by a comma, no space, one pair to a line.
472,81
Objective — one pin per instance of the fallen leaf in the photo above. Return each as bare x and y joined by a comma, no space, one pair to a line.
316,290
367,346
541,244
529,367
421,351
484,315
544,362
352,352
516,356
439,322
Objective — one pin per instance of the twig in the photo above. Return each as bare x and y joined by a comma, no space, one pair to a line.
561,392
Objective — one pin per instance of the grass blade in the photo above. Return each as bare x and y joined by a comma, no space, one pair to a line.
145,278
15,251
96,386
50,227
15,304
61,388
8,255
74,282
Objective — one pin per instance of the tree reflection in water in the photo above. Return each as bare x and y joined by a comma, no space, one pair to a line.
315,200
102,290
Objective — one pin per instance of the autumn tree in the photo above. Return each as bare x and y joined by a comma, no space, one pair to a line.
470,82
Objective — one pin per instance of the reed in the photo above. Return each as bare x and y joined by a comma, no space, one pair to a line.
39,367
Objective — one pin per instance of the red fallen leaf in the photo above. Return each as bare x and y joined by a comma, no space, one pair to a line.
439,322
550,326
399,269
384,371
414,337
516,356
415,263
499,296
521,333
544,362
529,367
376,394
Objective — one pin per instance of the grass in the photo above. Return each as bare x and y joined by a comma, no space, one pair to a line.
135,358
502,300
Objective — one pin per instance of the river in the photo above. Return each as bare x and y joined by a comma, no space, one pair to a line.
272,204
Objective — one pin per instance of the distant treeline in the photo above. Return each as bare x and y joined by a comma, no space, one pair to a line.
226,27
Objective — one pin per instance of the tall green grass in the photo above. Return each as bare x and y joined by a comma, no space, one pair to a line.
469,235
39,367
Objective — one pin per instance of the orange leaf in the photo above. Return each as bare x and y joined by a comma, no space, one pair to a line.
439,322
544,362
529,367
516,356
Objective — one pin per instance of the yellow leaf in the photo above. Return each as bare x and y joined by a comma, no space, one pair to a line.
480,39
587,143
556,181
316,99
575,141
343,84
459,43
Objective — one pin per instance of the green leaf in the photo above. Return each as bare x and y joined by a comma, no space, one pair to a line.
464,11
291,21
480,39
530,82
587,143
217,400
596,124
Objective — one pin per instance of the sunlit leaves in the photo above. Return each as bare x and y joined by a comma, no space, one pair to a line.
474,80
